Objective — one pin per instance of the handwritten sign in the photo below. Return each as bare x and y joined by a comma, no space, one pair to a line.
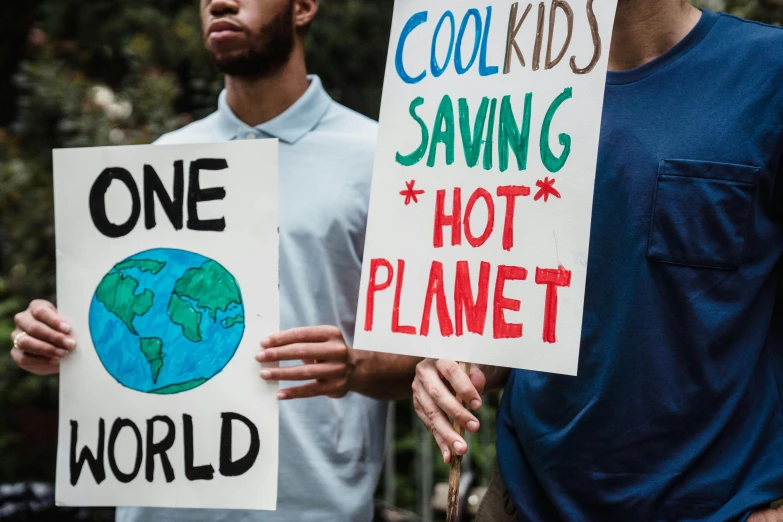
479,222
167,270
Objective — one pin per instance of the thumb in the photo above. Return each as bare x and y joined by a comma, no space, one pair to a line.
478,378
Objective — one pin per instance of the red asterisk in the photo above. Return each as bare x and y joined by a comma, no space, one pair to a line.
410,194
547,187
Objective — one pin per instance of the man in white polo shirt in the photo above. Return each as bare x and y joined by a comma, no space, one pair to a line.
330,450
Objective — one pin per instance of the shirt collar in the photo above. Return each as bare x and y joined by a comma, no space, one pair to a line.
289,127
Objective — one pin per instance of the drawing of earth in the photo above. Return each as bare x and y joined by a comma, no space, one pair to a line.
166,321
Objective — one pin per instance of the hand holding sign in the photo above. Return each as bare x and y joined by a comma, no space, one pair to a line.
435,403
41,339
327,360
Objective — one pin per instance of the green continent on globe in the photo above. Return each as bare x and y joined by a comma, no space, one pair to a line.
152,348
118,294
210,286
228,322
178,388
183,314
145,265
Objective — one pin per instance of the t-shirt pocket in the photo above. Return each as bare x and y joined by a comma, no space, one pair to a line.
701,212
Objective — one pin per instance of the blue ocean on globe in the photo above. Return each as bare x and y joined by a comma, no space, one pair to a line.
166,321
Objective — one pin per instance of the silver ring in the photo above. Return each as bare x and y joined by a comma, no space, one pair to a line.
18,338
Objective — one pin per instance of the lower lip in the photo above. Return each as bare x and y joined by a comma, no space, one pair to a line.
222,36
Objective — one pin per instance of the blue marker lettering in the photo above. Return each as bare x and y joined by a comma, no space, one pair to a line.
458,53
415,21
437,70
484,70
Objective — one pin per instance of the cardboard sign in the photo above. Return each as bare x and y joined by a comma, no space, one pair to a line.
479,222
167,271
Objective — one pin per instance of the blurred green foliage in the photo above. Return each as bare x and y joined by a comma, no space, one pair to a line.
77,73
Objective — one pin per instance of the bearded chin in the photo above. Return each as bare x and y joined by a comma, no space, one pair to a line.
254,63
268,52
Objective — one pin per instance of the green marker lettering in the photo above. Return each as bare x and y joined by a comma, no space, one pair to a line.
441,135
551,162
416,156
490,133
509,136
471,141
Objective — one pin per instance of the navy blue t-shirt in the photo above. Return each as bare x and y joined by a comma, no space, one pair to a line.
677,412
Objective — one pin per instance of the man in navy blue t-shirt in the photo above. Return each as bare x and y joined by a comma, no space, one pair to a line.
677,412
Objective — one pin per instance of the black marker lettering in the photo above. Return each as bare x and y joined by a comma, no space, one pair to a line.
159,448
118,425
205,472
196,195
171,205
95,462
98,202
234,468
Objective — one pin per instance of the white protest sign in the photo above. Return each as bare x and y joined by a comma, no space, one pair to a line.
479,222
167,271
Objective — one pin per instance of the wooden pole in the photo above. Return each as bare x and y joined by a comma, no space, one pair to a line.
452,508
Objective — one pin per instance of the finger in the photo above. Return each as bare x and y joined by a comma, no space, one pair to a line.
33,364
439,440
28,323
478,379
45,312
437,421
313,389
322,351
307,372
307,334
440,395
428,377
31,345
768,515
41,331
460,382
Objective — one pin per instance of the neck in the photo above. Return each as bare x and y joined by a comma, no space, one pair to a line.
644,30
258,100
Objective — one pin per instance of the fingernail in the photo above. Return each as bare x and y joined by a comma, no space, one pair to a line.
65,327
61,353
459,447
70,343
260,356
472,425
475,404
446,456
265,342
281,395
266,374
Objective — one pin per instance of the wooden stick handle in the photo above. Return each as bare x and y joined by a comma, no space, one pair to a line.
452,507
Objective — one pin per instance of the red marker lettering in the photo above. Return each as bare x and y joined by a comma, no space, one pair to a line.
435,290
476,242
396,328
442,220
373,287
475,311
552,279
502,329
511,192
